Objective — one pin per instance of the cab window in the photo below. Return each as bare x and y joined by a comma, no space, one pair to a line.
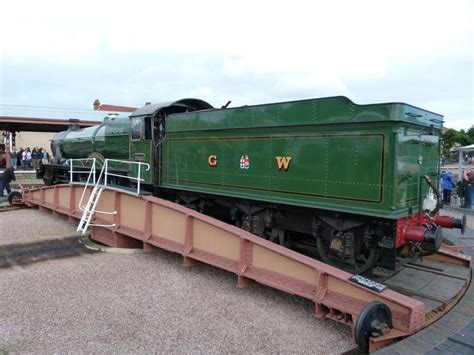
147,122
136,128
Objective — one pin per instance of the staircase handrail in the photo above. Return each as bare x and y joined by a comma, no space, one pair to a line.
92,173
90,208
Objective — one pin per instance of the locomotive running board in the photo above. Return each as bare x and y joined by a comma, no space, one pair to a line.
150,222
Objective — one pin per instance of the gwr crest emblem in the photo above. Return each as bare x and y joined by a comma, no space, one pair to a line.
244,162
283,163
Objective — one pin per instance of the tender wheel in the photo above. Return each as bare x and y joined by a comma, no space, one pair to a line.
13,196
374,320
360,264
277,236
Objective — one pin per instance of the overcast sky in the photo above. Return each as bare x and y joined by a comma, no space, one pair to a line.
66,54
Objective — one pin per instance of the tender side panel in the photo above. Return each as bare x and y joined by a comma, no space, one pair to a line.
312,169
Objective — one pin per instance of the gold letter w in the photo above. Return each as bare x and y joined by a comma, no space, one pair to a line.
283,162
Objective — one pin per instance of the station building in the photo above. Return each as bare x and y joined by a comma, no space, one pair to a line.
24,126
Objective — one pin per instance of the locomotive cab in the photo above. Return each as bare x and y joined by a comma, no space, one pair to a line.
147,133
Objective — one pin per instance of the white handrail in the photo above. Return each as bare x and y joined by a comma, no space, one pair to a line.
70,162
104,172
138,179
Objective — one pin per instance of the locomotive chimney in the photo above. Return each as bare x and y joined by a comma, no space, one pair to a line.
110,116
73,124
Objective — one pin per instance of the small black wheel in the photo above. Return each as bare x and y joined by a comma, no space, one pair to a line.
13,195
374,320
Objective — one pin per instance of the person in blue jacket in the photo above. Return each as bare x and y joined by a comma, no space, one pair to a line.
447,184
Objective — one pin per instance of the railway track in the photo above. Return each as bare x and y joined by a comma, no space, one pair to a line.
6,206
380,308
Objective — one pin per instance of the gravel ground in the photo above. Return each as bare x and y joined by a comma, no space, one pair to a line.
30,225
101,302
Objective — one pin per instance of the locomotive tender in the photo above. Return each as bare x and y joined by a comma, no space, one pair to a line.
350,183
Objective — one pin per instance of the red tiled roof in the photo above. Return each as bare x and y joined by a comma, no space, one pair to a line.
115,108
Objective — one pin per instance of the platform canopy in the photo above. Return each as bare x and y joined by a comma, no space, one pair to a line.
18,118
466,148
462,151
23,124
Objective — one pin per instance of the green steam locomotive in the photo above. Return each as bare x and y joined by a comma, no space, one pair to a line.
354,185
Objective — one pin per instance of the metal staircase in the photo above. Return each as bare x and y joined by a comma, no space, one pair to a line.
90,208
99,185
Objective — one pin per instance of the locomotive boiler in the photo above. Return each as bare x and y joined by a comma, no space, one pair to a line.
354,185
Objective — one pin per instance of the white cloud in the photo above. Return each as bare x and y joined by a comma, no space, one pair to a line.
250,50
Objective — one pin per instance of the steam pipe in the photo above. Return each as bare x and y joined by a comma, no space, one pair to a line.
438,196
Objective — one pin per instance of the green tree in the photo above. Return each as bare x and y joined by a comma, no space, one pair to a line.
470,133
452,137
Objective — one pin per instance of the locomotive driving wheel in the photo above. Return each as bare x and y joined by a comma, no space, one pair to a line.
343,251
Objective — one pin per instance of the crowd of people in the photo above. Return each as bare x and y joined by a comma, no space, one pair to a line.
29,158
25,159
464,188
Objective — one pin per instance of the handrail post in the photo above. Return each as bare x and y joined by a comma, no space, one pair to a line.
138,185
106,166
70,171
93,169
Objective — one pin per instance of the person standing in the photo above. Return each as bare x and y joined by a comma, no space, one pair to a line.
19,157
447,185
44,156
5,179
13,158
468,184
23,158
28,158
34,158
